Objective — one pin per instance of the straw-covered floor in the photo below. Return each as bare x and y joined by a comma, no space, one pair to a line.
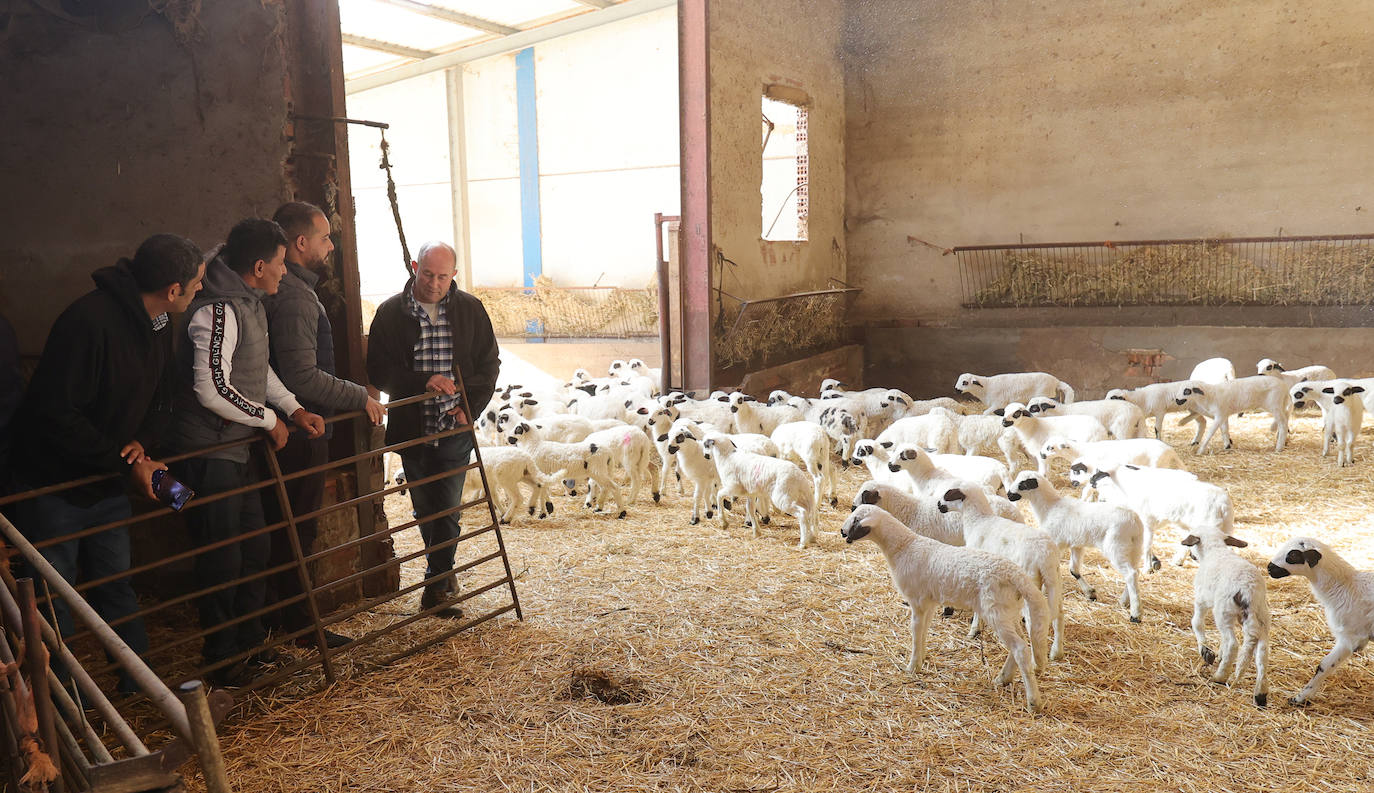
658,655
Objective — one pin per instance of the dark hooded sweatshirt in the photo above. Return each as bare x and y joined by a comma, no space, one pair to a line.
104,380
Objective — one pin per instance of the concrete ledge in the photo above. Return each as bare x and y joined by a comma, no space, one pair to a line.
803,377
926,361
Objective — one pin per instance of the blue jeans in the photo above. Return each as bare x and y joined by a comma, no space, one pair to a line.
87,558
220,520
425,460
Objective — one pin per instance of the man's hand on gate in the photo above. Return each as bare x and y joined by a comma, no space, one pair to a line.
277,435
442,384
312,423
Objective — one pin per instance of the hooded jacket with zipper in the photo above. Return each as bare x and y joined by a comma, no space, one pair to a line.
105,378
391,357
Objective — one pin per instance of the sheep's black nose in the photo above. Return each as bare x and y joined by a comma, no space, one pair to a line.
1181,401
1278,572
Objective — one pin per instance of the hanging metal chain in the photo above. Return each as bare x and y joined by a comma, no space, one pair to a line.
395,207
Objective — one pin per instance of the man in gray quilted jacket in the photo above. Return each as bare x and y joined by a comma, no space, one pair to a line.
302,342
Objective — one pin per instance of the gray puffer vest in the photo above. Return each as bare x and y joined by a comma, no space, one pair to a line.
196,426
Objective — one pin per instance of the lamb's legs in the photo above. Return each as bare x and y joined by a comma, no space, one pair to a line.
1333,659
1075,562
920,625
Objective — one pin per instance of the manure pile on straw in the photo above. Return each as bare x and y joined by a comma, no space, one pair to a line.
568,313
1183,275
661,656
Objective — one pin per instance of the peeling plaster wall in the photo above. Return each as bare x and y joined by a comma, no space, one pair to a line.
1095,120
797,44
111,138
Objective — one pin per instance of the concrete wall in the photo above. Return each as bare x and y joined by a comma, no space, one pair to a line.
1094,120
796,44
112,137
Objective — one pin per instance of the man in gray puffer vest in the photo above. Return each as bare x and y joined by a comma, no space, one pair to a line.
227,385
302,342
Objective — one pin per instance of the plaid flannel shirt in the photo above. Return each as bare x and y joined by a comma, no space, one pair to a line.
434,354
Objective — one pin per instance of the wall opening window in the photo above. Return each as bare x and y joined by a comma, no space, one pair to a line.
785,161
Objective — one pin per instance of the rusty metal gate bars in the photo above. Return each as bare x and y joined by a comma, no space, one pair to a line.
153,690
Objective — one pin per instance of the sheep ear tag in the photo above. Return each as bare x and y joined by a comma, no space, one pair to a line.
1312,556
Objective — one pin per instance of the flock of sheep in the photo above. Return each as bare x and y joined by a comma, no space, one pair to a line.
944,497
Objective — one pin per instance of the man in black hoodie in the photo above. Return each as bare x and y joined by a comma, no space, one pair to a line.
95,406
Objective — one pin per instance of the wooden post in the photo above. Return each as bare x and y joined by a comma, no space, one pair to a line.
192,695
36,661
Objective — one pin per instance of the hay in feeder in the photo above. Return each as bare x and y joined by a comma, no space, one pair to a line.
754,333
765,667
547,310
1208,274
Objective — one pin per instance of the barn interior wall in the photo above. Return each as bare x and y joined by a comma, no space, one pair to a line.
1092,121
796,44
112,137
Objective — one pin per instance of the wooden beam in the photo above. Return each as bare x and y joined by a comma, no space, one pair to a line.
388,47
596,3
456,17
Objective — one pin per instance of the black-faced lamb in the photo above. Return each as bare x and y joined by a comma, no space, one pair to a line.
1033,550
756,477
1220,401
1113,529
1233,590
1346,595
999,390
927,574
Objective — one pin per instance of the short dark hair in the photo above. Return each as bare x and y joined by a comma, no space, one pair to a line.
163,260
251,240
297,218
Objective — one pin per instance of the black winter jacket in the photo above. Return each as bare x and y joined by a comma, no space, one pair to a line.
391,357
105,378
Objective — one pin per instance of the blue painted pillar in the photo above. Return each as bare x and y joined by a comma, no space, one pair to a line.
528,131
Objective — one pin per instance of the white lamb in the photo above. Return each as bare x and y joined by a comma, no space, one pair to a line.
1113,529
1346,595
927,573
806,443
1342,414
1158,400
715,412
1220,401
655,374
752,417
985,435
923,476
507,467
695,463
1161,496
1145,452
1234,591
1121,418
937,430
999,390
1214,370
755,477
1033,550
920,513
1033,431
660,424
1314,372
920,407
575,461
633,452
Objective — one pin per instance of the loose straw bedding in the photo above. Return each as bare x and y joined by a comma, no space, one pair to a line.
661,656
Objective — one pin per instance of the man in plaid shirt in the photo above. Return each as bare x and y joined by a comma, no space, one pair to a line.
419,340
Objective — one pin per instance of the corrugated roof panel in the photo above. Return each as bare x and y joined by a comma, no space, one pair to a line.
516,13
377,20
